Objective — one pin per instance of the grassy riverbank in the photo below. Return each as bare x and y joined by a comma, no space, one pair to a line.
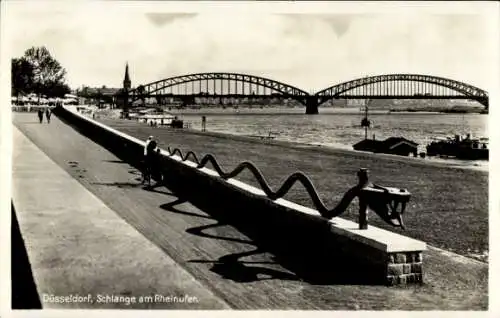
448,209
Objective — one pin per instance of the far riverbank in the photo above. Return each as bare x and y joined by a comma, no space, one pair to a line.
338,128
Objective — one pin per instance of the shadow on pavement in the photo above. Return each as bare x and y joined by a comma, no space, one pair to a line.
230,266
116,161
304,256
119,184
24,292
171,208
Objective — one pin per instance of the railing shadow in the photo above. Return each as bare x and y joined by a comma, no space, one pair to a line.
230,266
303,255
171,208
154,188
131,185
116,161
118,184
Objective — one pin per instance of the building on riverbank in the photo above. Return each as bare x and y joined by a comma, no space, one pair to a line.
393,145
99,96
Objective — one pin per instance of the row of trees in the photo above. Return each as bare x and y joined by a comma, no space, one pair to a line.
38,72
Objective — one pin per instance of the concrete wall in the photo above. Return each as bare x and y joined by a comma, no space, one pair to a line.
317,250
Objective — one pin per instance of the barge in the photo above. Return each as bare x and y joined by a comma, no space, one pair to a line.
460,147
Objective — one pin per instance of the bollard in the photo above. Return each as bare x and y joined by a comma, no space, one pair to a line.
384,201
363,215
388,202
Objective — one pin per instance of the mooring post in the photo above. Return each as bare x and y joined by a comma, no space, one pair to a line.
363,205
363,214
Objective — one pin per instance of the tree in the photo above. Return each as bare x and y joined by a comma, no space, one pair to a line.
85,92
22,76
56,89
141,91
46,70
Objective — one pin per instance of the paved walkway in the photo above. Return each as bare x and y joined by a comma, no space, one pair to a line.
79,246
224,262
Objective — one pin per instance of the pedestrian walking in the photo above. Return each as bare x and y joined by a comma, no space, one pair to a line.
156,172
148,160
203,123
40,115
48,112
146,146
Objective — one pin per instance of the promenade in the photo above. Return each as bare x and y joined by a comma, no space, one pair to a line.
90,228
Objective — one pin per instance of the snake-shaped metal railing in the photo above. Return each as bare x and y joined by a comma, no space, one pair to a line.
184,158
273,195
383,201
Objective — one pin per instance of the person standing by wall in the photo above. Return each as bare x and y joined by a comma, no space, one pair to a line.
146,170
150,160
144,160
146,146
156,171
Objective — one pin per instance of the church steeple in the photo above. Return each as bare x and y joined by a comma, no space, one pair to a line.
126,81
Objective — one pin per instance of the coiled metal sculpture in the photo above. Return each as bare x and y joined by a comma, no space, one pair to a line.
382,200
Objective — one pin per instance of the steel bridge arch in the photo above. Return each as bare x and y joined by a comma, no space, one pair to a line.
285,89
468,90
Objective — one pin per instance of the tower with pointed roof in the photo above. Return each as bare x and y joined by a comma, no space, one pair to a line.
127,84
126,81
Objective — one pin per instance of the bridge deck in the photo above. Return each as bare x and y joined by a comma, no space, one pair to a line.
244,278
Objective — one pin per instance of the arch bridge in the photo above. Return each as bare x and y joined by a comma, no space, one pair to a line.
402,86
389,86
187,87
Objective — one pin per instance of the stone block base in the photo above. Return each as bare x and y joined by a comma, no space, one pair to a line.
405,268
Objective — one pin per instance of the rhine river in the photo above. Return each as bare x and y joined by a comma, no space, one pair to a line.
341,128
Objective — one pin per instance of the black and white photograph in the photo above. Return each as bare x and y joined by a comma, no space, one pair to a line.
270,156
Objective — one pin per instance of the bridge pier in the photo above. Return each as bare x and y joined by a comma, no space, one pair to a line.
312,105
485,102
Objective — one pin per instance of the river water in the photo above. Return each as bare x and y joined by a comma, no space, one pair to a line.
340,128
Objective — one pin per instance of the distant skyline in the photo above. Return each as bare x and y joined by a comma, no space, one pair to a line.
93,41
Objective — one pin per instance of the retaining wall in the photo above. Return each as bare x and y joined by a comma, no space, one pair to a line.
316,249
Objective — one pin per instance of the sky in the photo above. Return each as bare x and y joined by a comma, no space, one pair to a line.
311,48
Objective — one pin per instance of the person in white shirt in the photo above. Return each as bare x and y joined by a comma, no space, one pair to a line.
146,146
146,173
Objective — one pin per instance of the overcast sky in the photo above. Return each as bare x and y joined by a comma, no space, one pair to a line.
309,50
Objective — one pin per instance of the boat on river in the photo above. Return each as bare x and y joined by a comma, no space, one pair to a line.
393,145
460,147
